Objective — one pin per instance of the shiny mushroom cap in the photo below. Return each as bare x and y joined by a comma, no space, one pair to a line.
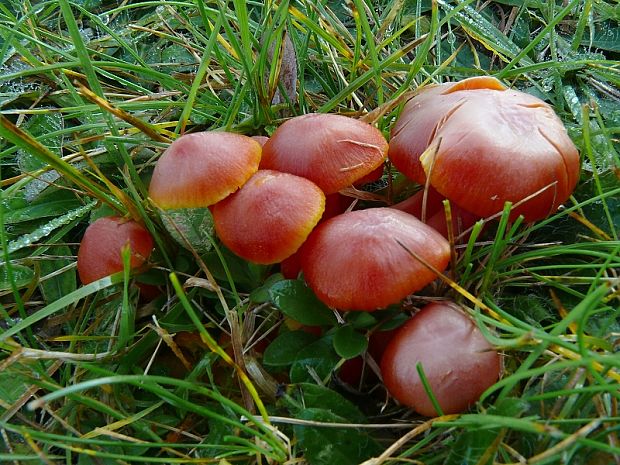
458,362
362,260
333,151
200,169
270,217
99,254
481,145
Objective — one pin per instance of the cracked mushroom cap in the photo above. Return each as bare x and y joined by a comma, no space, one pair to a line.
333,151
482,144
361,260
270,217
200,169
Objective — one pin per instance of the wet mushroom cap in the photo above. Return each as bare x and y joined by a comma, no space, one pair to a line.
361,260
200,169
333,151
482,144
428,207
99,254
422,204
269,218
458,362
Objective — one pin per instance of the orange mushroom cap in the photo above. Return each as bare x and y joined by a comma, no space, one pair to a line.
356,261
202,168
459,363
371,177
482,145
269,218
331,150
99,254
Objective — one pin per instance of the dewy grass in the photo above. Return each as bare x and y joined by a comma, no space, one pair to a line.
89,93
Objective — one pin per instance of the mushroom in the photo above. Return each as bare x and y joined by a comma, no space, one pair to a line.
371,177
333,151
290,267
196,171
200,169
262,140
433,213
269,218
422,204
458,362
99,254
335,204
482,144
369,259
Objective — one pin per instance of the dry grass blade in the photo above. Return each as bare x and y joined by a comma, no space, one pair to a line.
152,131
415,432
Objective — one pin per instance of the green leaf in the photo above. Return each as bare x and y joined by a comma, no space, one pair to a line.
605,38
12,386
329,446
260,295
471,446
481,29
190,227
349,343
297,301
178,54
361,320
315,396
46,229
284,348
61,284
488,421
393,321
315,360
536,4
41,210
510,407
22,276
534,309
247,276
40,126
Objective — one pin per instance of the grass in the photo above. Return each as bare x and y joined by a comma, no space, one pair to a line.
91,92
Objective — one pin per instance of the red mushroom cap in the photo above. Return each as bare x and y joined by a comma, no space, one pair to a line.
331,150
262,140
202,168
459,363
356,261
99,254
482,145
435,215
269,218
415,204
335,204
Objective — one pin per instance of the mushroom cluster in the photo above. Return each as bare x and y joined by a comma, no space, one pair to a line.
265,202
274,200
